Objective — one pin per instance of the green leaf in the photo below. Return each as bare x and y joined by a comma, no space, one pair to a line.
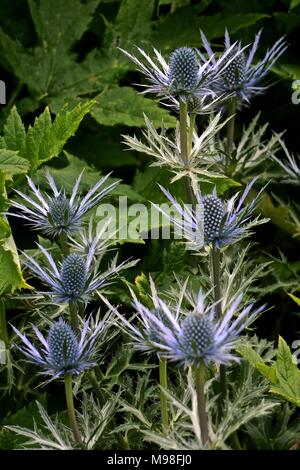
14,132
294,4
132,24
11,164
123,105
288,375
295,299
184,26
287,71
10,270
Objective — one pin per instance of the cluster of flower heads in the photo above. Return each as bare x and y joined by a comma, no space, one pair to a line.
203,81
243,79
212,220
188,335
62,351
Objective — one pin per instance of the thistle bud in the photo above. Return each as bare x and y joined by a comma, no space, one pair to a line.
234,74
74,275
63,346
213,216
196,335
60,212
184,69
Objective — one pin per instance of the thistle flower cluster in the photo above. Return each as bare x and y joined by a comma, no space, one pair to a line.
185,76
214,221
242,78
58,214
74,279
188,336
62,351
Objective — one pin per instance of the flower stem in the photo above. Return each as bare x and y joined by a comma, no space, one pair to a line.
63,242
3,324
216,263
92,378
191,130
163,381
73,308
70,406
184,148
231,109
200,373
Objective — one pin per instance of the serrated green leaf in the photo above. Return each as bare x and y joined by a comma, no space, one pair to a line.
288,374
14,132
11,164
268,371
123,105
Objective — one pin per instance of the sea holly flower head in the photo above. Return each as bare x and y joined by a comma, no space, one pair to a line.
184,76
62,351
243,78
189,335
56,213
76,278
213,221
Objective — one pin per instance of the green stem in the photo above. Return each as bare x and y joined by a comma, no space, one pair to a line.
216,264
92,378
231,109
184,148
63,241
70,406
3,324
200,373
191,130
74,316
163,380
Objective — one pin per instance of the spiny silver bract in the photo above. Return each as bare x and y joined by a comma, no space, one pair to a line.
55,214
62,352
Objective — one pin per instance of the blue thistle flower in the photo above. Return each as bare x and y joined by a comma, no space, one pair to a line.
62,351
184,75
193,336
76,277
57,214
213,220
241,78
184,71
